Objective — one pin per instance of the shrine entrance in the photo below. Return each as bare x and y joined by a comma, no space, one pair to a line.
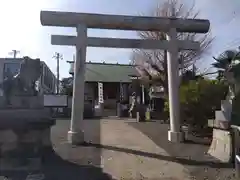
83,21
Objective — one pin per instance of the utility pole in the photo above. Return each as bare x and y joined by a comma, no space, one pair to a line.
14,53
58,57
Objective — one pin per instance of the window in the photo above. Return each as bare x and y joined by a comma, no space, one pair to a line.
11,69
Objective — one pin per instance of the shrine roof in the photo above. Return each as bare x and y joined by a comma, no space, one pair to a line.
106,72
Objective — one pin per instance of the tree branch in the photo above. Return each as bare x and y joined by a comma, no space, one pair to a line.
156,60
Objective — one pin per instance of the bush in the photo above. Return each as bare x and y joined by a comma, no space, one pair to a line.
199,100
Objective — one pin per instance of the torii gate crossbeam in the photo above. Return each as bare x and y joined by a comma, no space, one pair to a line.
124,43
120,22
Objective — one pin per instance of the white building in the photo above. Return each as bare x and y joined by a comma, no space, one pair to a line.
46,83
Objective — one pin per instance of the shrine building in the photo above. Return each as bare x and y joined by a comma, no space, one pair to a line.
114,79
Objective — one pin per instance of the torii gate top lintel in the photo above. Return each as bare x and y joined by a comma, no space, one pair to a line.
122,22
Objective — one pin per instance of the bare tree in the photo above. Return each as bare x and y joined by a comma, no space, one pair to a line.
152,64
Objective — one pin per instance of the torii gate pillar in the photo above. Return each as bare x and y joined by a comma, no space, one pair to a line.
174,134
76,134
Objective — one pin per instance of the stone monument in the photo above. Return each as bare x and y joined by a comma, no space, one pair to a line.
222,146
228,113
25,123
234,91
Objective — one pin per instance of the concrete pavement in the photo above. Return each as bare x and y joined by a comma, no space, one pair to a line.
121,149
124,155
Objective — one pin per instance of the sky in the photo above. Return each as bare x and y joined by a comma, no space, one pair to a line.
21,28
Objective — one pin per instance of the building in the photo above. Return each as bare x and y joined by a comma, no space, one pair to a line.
46,83
114,79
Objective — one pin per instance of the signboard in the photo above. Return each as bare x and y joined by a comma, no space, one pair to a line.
100,93
51,100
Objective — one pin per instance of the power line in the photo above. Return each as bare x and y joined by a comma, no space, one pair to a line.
57,56
233,44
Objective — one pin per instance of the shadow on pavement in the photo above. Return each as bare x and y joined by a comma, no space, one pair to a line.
192,153
190,141
56,168
162,157
67,162
194,148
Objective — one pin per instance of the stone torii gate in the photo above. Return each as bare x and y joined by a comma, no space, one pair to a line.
82,21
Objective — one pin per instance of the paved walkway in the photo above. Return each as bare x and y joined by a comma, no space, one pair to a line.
125,158
118,149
